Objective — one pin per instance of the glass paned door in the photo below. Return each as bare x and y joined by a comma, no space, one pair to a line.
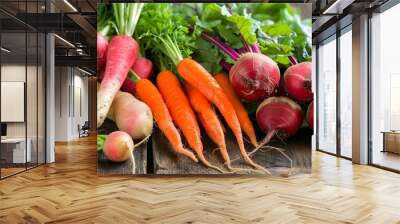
327,96
346,93
385,89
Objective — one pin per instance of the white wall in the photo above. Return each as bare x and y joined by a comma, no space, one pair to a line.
71,94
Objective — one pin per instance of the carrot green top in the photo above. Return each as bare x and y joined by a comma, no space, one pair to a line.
165,32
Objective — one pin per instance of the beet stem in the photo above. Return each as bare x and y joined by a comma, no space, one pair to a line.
225,65
224,47
246,45
242,50
256,48
292,60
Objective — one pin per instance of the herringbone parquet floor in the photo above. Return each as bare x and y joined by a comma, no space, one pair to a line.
70,191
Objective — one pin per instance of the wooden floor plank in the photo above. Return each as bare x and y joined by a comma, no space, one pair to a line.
70,191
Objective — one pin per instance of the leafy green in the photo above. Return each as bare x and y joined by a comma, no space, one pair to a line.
277,27
283,23
208,55
103,19
126,16
163,31
100,142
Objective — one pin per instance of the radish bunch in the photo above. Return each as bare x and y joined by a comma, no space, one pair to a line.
122,53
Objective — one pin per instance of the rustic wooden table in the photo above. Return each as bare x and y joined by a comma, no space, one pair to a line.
298,148
157,157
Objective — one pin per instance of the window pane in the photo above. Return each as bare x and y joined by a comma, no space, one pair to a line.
327,97
385,84
15,150
346,94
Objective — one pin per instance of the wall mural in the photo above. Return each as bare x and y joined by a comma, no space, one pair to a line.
204,88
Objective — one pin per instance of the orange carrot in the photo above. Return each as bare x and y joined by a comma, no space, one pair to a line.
149,94
241,112
199,78
209,120
182,113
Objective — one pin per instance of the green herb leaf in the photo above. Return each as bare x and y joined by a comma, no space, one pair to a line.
100,142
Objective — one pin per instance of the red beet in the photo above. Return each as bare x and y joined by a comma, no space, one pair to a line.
310,115
278,116
254,76
298,81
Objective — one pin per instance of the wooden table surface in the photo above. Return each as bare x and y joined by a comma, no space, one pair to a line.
157,157
71,191
298,148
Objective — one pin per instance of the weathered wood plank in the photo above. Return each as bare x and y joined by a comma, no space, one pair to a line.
298,148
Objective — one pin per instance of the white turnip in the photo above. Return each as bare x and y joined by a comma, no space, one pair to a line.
131,115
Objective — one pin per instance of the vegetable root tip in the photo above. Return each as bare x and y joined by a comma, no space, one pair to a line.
209,165
188,154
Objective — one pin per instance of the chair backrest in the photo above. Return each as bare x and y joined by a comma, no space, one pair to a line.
86,125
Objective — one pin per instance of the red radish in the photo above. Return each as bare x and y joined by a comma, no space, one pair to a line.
143,67
122,53
310,115
298,81
254,76
102,44
118,146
